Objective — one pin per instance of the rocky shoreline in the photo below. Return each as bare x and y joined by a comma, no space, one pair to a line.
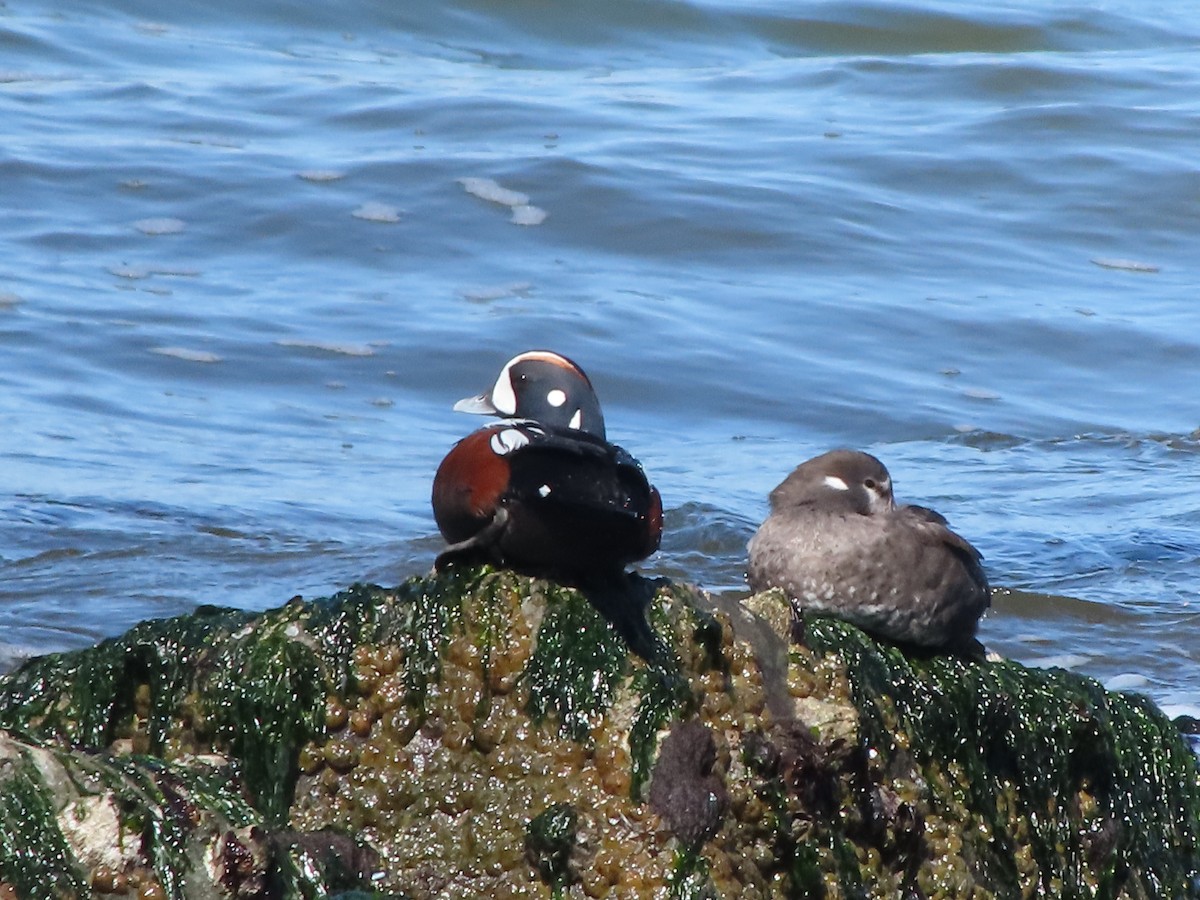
482,734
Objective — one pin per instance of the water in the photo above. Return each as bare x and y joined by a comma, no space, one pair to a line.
242,282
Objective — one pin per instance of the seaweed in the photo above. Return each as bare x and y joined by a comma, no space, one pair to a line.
35,859
549,841
1043,781
576,665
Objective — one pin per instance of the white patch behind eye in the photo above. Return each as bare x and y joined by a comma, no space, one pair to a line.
576,420
508,441
836,483
556,398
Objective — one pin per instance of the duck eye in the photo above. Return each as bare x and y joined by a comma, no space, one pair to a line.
871,484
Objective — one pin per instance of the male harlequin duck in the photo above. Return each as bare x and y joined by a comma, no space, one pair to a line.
837,544
543,491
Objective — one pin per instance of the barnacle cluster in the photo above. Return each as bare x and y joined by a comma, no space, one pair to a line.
537,706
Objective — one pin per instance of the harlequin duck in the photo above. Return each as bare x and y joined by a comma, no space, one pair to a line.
543,491
837,544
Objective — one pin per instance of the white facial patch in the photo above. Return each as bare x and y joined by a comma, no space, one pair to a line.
883,496
504,398
556,398
507,441
836,483
576,420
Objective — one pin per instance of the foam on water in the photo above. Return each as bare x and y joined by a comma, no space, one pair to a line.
184,353
377,212
487,189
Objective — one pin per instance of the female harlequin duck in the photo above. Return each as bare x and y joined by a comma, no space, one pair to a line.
837,544
543,491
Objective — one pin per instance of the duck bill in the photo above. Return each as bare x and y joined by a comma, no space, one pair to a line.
481,405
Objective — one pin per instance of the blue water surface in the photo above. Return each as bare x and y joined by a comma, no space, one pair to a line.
242,281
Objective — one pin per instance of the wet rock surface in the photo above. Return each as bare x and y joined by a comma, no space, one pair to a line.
484,734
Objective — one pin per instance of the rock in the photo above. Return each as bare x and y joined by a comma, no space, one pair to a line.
74,820
485,734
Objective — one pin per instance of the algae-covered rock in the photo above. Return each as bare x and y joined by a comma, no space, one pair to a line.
482,734
73,822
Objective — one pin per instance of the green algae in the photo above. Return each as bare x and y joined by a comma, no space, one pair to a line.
522,688
796,858
663,689
227,681
262,693
34,856
577,663
421,622
302,872
549,840
266,703
664,695
1046,782
580,659
705,632
168,815
690,879
85,697
161,802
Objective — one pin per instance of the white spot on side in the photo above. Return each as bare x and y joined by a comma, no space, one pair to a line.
836,483
556,398
576,420
507,441
544,490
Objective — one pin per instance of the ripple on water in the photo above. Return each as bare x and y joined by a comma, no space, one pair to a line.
919,228
328,347
704,544
160,226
